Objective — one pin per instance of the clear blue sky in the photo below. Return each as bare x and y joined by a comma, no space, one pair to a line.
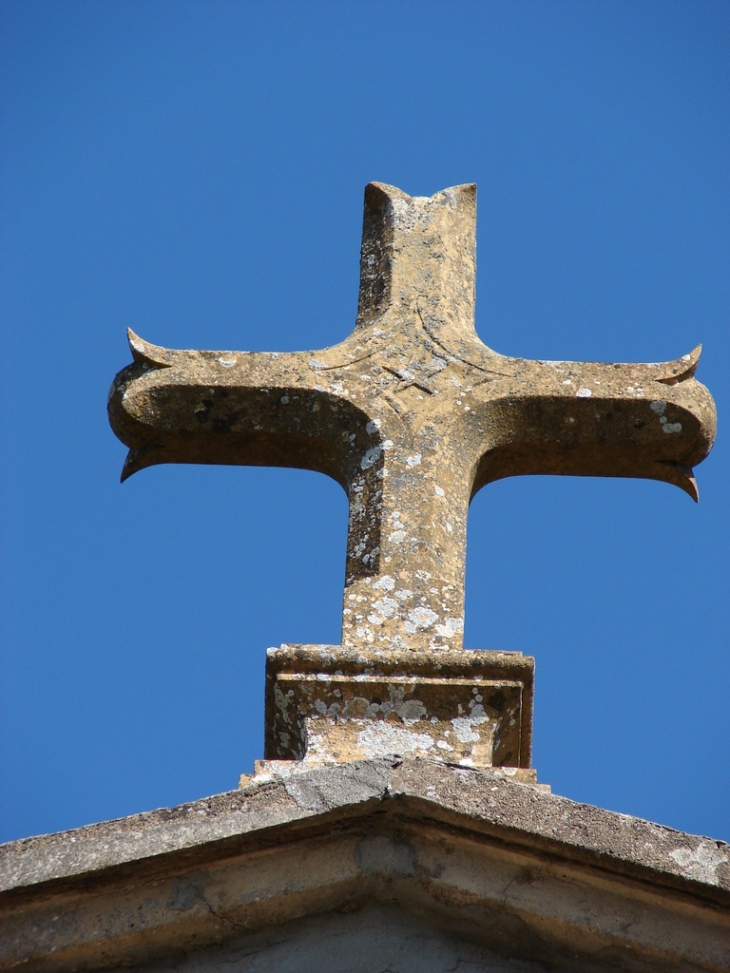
195,170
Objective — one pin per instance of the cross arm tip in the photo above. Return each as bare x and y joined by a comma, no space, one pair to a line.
684,478
383,189
145,353
136,460
379,192
679,370
128,468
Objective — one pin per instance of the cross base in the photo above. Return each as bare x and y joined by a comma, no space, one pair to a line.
332,704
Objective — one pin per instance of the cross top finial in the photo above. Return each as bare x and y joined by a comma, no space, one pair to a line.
418,252
412,414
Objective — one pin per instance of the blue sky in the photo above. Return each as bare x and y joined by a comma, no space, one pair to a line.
195,170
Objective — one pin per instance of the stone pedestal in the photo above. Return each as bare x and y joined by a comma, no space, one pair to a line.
329,704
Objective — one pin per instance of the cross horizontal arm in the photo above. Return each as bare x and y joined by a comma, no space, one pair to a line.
654,421
242,408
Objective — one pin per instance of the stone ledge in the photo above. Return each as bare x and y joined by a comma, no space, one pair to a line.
280,769
496,863
478,799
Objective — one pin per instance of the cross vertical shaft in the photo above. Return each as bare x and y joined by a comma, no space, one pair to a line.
417,285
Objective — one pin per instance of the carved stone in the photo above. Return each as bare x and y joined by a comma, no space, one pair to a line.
326,704
413,415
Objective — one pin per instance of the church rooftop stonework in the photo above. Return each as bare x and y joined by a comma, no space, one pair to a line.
466,863
395,822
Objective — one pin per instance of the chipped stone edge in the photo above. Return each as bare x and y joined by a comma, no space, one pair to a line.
476,800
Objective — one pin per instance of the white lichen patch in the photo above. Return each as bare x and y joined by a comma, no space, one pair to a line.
659,407
414,460
384,583
385,607
382,739
226,362
464,726
700,863
583,393
371,457
324,710
419,620
450,627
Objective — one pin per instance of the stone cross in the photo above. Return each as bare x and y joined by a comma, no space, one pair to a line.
412,414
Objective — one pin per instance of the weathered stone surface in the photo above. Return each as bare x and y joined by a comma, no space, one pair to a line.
412,414
327,703
368,940
505,867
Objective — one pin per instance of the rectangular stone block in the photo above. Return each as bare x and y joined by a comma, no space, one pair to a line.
327,704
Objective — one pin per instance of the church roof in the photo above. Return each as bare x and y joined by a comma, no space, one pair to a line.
503,864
